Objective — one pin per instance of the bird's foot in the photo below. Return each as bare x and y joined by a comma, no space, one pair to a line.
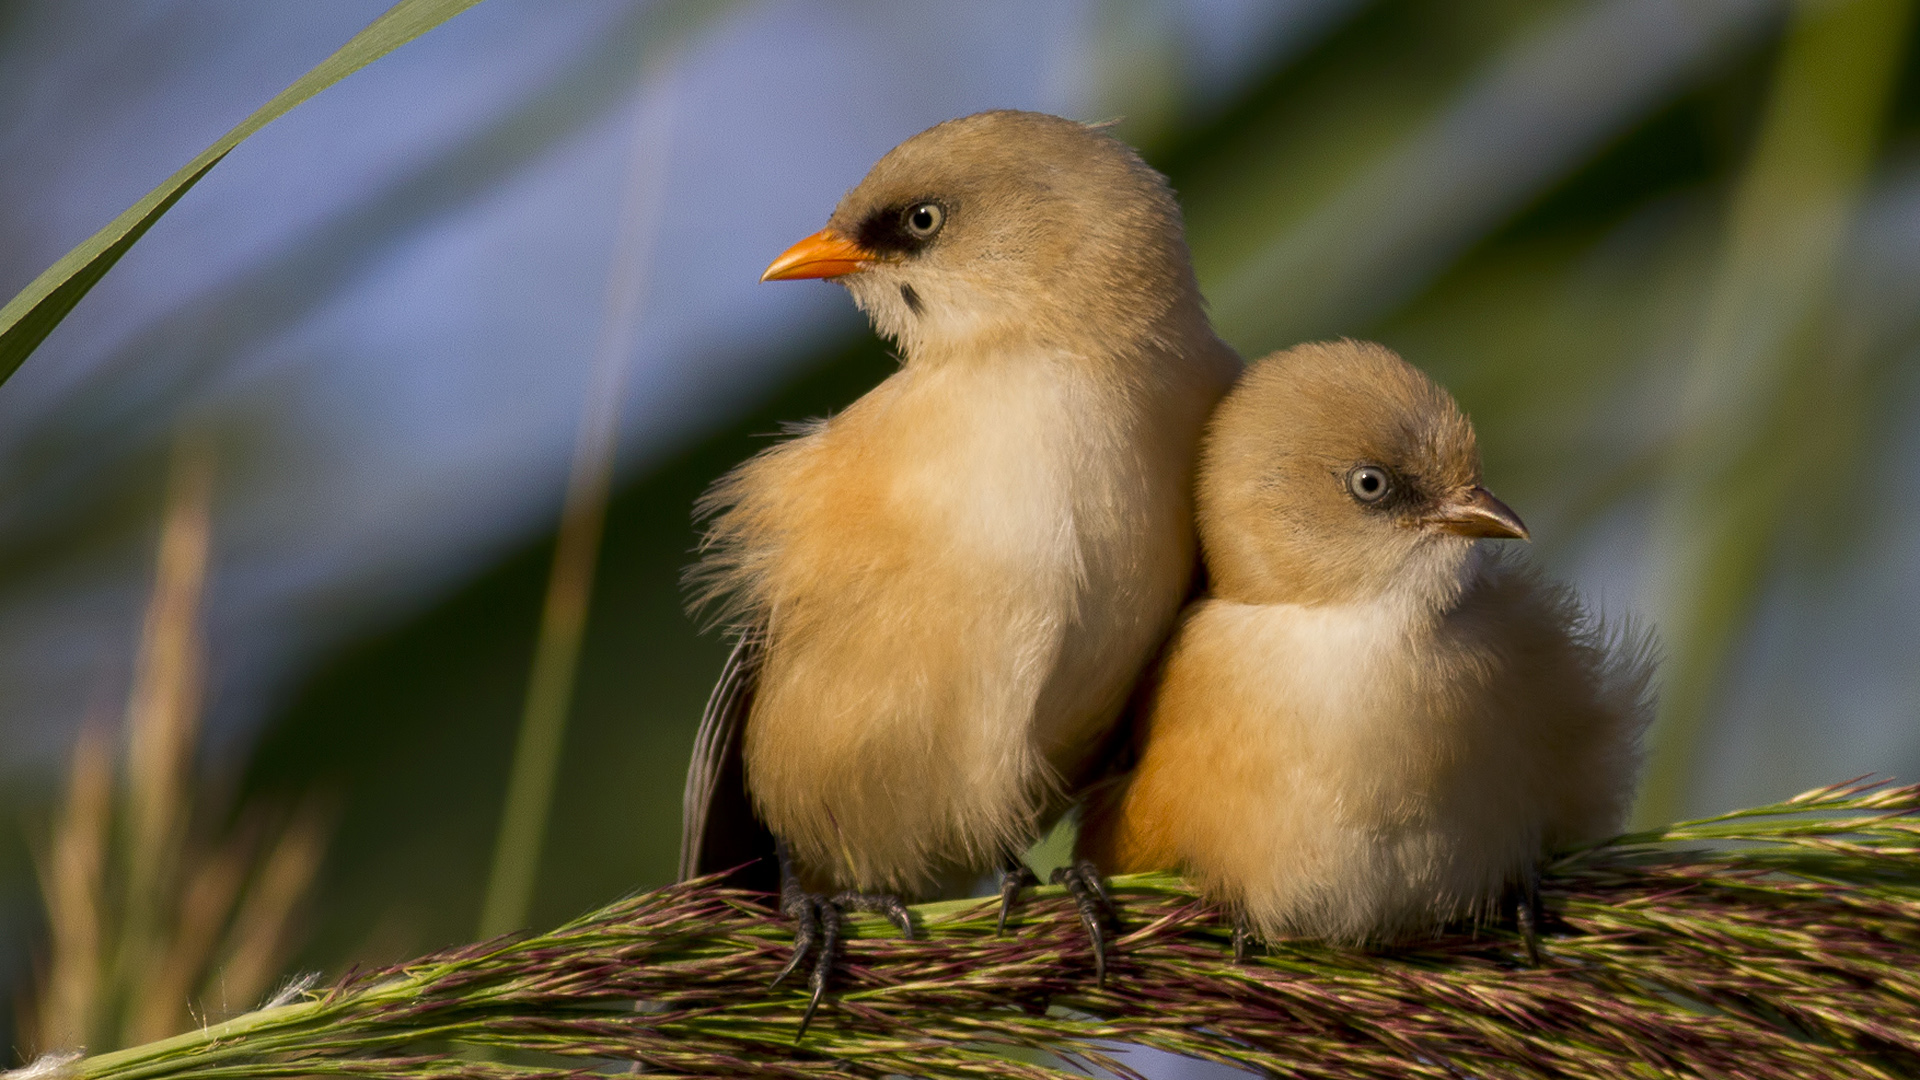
1014,876
1096,910
819,923
1528,915
1242,938
816,933
894,908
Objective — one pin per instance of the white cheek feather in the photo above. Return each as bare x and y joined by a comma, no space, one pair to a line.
1326,661
876,292
1333,659
952,308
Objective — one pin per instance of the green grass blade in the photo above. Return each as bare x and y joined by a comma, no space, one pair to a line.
29,317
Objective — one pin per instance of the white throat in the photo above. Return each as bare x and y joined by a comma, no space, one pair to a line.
1331,660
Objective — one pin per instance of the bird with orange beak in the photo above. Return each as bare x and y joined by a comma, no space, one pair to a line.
944,594
1373,724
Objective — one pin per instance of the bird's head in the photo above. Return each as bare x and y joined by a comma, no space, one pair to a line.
1337,472
1004,228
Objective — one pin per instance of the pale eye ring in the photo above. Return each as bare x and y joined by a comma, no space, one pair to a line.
922,220
1369,483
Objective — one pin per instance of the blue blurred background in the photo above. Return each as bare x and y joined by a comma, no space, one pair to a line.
1667,255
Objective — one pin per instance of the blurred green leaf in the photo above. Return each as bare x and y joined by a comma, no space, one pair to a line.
29,317
1387,174
1752,400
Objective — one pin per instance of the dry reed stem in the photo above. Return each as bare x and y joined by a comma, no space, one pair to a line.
163,721
150,910
261,936
72,882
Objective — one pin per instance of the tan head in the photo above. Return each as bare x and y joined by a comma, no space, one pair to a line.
1337,472
1006,225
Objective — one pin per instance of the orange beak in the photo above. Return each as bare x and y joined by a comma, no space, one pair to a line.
825,254
1478,514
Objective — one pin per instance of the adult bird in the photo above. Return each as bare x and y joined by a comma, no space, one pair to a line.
1373,725
943,594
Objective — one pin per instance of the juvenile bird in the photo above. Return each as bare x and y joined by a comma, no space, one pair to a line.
945,592
1372,725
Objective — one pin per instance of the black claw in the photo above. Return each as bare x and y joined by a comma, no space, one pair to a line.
1528,915
1014,876
894,908
795,904
1242,939
1090,874
1095,907
804,910
820,927
822,964
818,924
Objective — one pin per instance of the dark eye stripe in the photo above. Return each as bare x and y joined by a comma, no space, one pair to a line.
887,230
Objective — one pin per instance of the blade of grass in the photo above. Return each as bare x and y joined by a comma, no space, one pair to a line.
563,617
29,317
68,473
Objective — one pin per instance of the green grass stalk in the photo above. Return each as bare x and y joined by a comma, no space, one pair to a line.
563,618
1775,942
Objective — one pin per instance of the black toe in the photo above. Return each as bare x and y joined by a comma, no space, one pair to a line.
1528,915
1090,898
894,908
822,964
804,909
819,926
1242,939
1015,875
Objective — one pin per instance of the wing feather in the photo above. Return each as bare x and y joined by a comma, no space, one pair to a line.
718,827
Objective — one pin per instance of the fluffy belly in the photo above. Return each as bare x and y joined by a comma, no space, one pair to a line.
917,725
891,739
959,584
1376,875
1351,804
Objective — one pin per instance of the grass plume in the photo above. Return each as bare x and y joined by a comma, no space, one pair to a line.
154,902
1772,942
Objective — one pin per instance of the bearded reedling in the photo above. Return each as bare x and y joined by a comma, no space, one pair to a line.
945,593
1373,724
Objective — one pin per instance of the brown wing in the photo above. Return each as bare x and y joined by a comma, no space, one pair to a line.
718,828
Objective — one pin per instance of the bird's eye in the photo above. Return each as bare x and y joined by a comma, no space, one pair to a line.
925,219
1369,483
